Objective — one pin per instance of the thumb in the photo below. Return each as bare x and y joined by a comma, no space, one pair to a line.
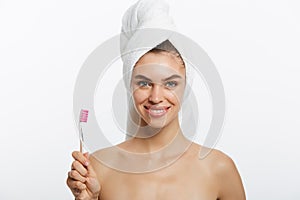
90,169
93,185
92,182
87,155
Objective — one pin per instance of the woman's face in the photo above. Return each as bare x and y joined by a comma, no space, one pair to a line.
158,82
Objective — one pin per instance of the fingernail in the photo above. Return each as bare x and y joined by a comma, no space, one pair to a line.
86,163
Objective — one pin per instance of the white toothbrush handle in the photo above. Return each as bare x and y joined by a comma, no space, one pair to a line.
81,137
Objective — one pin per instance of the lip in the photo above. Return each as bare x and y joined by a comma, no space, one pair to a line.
157,111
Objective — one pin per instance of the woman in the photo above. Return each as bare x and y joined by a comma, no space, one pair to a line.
158,83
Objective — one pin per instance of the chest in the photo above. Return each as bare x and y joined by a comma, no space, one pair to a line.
167,184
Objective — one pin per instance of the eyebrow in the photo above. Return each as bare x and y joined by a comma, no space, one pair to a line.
172,77
166,79
142,77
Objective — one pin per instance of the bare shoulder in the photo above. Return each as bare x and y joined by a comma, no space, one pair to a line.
212,157
99,159
107,157
230,182
219,162
103,152
226,174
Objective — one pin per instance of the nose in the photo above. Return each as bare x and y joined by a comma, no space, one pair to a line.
156,94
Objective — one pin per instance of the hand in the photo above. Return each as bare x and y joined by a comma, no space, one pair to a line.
82,179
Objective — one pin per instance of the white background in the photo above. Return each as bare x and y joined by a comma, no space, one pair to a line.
254,44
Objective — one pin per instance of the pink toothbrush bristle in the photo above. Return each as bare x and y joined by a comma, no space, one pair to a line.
84,115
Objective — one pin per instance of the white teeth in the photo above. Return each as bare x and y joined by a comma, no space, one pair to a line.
156,111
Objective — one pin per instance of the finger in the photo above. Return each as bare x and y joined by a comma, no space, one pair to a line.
76,176
78,188
80,157
76,192
75,185
83,195
76,165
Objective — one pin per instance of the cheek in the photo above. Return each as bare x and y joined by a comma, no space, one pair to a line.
175,96
139,96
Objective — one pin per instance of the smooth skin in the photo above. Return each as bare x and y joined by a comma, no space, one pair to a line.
189,178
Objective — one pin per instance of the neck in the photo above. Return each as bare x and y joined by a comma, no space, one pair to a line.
158,138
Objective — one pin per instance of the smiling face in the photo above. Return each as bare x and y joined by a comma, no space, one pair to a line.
158,82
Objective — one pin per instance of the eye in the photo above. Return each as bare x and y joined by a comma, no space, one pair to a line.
171,84
144,84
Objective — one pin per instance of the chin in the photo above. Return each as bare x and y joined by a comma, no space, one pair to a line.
157,125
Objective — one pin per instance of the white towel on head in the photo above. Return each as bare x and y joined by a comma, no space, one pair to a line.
147,14
144,25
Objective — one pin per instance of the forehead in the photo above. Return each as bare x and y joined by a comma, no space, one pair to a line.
165,60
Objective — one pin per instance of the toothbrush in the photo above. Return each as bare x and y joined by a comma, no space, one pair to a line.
82,119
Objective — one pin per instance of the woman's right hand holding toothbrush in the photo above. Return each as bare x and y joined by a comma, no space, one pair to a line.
82,179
